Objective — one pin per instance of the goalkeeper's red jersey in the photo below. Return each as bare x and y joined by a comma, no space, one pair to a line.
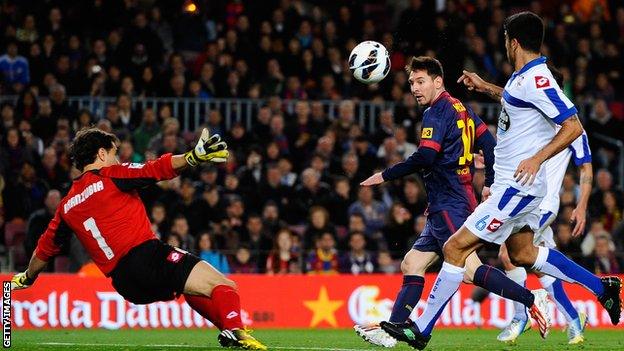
105,212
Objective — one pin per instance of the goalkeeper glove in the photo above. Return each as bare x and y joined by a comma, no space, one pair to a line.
21,281
208,148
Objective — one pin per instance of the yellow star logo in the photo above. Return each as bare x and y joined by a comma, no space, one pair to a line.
323,309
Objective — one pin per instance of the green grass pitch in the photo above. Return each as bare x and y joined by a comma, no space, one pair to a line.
296,340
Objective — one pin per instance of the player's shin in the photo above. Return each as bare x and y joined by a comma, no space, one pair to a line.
554,263
443,289
407,298
227,301
497,282
519,276
206,307
222,307
554,287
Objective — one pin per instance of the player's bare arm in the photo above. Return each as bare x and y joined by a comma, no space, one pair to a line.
472,81
571,129
579,215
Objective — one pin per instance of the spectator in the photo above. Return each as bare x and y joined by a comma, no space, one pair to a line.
385,264
589,241
14,69
339,201
272,189
374,212
282,259
180,230
126,153
311,192
241,262
174,240
158,216
271,218
210,255
147,130
365,153
385,130
604,183
612,214
357,260
38,221
323,259
190,206
413,196
603,259
398,230
52,172
318,224
258,242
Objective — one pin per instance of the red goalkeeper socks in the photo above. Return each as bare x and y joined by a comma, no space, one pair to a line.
222,308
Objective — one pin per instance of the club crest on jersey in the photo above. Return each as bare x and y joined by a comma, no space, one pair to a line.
541,82
175,256
494,225
427,133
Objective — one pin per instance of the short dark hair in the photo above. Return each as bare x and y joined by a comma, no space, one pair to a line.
432,66
86,144
527,28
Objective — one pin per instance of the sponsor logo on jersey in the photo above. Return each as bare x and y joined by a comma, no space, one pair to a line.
541,82
463,171
427,133
494,225
503,120
231,315
135,165
83,196
459,107
175,256
480,225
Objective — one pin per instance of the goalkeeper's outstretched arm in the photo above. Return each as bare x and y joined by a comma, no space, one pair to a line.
130,176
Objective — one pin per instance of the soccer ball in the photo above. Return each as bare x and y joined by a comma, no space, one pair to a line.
369,62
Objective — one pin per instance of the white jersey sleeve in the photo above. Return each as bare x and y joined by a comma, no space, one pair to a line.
580,150
545,95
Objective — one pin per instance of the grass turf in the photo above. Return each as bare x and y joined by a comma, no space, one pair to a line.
296,340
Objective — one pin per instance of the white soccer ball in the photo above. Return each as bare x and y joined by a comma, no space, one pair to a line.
369,62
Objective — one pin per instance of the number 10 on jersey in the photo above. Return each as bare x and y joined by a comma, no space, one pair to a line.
467,127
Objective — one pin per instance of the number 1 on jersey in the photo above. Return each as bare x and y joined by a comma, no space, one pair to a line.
90,226
468,134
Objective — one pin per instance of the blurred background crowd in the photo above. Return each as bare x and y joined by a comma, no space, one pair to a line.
288,201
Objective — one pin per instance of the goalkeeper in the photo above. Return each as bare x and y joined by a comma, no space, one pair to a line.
105,212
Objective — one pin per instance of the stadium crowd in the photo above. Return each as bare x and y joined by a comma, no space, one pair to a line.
288,201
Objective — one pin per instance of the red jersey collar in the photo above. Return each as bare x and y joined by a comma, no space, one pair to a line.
444,94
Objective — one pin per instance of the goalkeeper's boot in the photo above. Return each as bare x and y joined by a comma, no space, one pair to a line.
375,335
407,332
611,299
514,330
239,338
539,311
576,329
